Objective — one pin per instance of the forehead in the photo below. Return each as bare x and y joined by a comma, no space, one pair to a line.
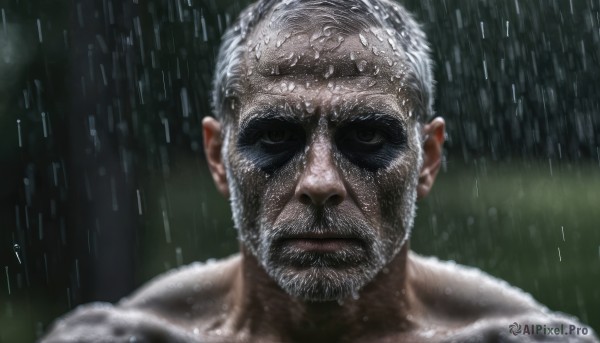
324,69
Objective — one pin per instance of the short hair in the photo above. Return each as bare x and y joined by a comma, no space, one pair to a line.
350,16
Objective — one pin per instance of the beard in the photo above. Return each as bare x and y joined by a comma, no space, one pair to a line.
322,275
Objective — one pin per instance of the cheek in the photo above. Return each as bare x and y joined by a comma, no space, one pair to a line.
397,188
362,187
246,188
262,196
279,192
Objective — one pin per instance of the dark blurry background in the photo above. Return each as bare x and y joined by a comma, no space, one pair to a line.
103,183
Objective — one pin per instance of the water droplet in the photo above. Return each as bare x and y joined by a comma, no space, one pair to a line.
352,56
329,72
392,44
361,65
309,107
363,40
294,61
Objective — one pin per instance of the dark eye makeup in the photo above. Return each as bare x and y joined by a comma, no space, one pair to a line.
371,142
271,142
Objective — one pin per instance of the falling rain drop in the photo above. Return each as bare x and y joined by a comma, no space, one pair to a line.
19,133
507,28
514,93
485,70
39,27
44,125
481,25
139,202
165,123
17,251
167,226
4,22
559,256
204,33
77,277
179,256
185,102
7,279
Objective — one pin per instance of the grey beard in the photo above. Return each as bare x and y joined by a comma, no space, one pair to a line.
329,276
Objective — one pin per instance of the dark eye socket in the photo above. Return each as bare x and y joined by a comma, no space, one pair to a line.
371,143
278,135
271,142
368,135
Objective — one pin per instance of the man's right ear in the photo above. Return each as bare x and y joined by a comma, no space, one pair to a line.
211,130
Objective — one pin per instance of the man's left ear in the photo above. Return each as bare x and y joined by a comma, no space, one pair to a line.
434,134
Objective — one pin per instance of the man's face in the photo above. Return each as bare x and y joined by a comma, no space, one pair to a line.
323,158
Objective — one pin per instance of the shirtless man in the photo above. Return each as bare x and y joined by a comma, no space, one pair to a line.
323,139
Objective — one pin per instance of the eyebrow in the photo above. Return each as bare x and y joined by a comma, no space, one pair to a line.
263,114
348,113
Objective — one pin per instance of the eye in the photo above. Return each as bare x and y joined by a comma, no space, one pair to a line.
368,136
271,142
277,135
371,143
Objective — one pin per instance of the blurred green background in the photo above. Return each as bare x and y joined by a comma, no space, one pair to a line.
103,184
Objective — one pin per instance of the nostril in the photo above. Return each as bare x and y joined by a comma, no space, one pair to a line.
334,199
305,199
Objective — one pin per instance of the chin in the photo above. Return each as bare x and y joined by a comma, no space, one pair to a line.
319,277
321,284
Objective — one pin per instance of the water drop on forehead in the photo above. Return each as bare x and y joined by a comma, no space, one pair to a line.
352,56
363,40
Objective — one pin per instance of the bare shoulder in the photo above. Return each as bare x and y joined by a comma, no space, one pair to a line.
483,308
179,306
190,291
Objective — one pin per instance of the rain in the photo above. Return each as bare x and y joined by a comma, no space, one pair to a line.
104,183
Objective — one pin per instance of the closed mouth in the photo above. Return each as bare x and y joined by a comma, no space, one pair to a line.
321,242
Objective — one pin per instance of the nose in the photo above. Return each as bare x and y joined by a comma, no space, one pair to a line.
320,183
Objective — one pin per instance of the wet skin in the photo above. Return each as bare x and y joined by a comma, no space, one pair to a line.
311,138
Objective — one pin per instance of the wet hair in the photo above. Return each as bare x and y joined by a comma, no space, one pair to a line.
347,16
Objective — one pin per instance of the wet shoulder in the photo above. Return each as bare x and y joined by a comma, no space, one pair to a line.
102,322
466,304
459,290
189,292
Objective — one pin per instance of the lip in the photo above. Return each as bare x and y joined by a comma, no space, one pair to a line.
321,242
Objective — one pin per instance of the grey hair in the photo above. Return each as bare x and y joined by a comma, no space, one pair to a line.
350,16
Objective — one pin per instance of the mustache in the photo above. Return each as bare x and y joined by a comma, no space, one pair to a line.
323,222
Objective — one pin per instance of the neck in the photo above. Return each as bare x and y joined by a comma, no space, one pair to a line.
265,310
